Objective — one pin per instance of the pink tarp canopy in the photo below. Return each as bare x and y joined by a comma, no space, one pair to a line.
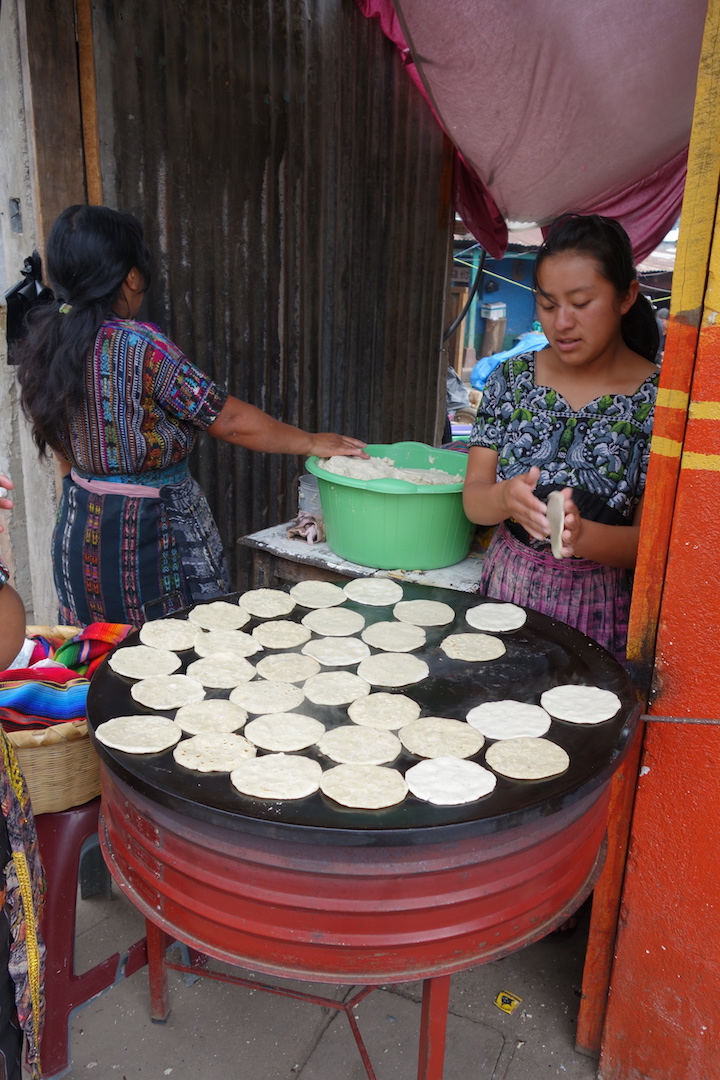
557,105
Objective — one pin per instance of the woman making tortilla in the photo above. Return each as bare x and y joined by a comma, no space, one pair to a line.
120,406
577,418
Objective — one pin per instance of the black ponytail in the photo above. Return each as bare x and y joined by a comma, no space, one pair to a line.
90,251
605,241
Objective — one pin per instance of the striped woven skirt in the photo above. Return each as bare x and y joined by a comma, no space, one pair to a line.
124,559
587,595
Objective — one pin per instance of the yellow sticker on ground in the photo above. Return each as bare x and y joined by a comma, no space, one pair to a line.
507,1002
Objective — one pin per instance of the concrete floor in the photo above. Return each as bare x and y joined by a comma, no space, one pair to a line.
220,1032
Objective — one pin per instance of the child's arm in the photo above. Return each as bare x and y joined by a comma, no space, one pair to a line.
487,500
613,545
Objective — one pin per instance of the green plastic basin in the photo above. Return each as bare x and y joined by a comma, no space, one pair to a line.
392,524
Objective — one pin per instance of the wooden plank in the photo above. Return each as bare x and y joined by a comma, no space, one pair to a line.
88,98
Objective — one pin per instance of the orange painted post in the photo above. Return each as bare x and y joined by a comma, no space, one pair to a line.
663,1019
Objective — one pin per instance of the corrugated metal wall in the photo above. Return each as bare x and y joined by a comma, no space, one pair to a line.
288,175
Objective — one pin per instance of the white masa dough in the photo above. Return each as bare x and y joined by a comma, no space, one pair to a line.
438,736
375,591
232,641
580,704
281,634
317,594
267,603
141,661
174,634
353,745
394,636
424,612
509,719
472,647
277,777
386,712
335,688
212,714
364,787
334,622
527,758
449,781
267,695
496,617
337,651
167,691
284,732
213,752
139,734
221,671
219,615
393,669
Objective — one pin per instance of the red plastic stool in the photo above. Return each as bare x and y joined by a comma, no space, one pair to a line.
64,838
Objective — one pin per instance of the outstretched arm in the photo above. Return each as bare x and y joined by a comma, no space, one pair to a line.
489,501
243,425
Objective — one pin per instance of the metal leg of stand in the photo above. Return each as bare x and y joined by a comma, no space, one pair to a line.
433,1027
157,943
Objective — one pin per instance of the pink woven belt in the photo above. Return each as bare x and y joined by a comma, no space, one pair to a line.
106,487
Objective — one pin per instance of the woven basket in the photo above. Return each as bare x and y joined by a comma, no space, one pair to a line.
59,764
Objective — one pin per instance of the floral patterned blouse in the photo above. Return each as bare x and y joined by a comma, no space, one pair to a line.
601,449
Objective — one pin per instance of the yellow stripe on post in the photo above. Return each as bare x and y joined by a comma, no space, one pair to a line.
705,462
672,399
705,410
665,447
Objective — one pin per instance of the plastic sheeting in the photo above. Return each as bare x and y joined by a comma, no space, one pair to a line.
555,105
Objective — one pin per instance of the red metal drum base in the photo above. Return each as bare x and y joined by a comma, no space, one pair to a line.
350,914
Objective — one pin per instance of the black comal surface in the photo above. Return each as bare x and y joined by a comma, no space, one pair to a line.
541,654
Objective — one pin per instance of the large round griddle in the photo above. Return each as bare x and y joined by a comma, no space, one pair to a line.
542,654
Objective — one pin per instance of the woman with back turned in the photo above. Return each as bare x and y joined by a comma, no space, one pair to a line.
120,406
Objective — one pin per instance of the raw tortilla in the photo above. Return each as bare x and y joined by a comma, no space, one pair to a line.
219,615
436,736
393,669
222,670
509,719
449,781
141,661
317,594
337,651
167,691
267,695
375,592
282,634
139,734
580,704
174,634
284,732
287,667
334,622
226,641
424,612
364,787
386,712
496,617
335,688
212,714
353,745
556,518
267,603
394,636
472,647
527,758
277,777
213,752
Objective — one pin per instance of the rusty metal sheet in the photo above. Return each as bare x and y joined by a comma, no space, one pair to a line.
289,177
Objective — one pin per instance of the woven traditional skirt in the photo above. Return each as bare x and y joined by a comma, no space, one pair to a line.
587,595
125,558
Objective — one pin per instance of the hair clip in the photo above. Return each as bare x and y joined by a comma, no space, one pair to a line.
65,309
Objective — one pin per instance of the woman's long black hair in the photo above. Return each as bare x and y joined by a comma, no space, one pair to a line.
90,251
605,241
